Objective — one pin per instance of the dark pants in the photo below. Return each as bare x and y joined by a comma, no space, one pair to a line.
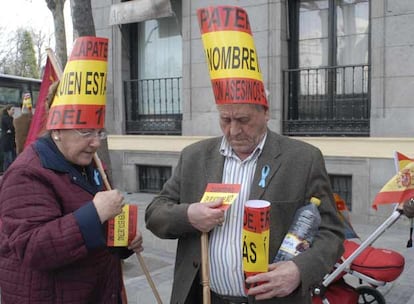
8,158
196,296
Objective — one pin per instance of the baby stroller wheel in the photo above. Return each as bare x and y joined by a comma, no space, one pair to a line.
369,295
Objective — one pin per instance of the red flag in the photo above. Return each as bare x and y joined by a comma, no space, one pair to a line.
37,126
343,213
400,187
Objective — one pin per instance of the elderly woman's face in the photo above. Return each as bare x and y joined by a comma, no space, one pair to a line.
77,146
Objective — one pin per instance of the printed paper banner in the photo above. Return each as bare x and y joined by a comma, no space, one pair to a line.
80,99
228,192
122,228
231,55
255,237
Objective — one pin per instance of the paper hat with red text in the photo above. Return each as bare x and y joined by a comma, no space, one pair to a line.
231,55
80,98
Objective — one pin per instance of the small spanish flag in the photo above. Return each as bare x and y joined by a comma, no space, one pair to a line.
400,187
401,160
122,228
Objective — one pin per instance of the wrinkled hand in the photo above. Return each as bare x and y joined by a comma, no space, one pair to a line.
280,281
136,243
206,216
108,204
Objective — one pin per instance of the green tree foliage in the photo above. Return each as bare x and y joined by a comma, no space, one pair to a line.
26,63
20,57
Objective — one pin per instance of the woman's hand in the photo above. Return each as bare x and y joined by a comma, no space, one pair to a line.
108,204
136,243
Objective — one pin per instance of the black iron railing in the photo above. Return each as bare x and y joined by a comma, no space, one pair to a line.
152,178
328,101
153,106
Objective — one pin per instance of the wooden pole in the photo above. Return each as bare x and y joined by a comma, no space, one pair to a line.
55,63
205,271
139,257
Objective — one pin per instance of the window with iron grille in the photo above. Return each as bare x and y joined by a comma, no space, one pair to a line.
342,185
326,88
154,92
152,178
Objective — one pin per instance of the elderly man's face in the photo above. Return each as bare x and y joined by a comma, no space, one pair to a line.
244,126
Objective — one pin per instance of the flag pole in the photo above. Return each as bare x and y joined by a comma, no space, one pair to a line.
55,63
59,72
140,258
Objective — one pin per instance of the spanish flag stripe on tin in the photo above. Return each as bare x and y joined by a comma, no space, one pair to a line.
257,245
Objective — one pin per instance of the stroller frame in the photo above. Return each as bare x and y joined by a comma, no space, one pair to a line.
345,265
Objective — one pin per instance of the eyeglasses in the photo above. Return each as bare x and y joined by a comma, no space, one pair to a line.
91,134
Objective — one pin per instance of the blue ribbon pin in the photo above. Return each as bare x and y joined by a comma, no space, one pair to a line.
265,173
96,177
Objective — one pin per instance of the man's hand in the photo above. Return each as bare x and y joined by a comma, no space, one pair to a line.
206,216
280,281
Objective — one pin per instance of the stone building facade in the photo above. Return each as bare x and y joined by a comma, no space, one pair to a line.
340,75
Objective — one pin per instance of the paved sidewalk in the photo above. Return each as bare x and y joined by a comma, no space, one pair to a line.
159,258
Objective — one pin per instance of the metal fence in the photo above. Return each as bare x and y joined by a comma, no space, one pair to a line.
153,106
332,101
152,178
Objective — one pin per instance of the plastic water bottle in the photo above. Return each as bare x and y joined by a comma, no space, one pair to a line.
301,232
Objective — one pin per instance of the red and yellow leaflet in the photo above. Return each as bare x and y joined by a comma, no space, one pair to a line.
215,191
122,228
